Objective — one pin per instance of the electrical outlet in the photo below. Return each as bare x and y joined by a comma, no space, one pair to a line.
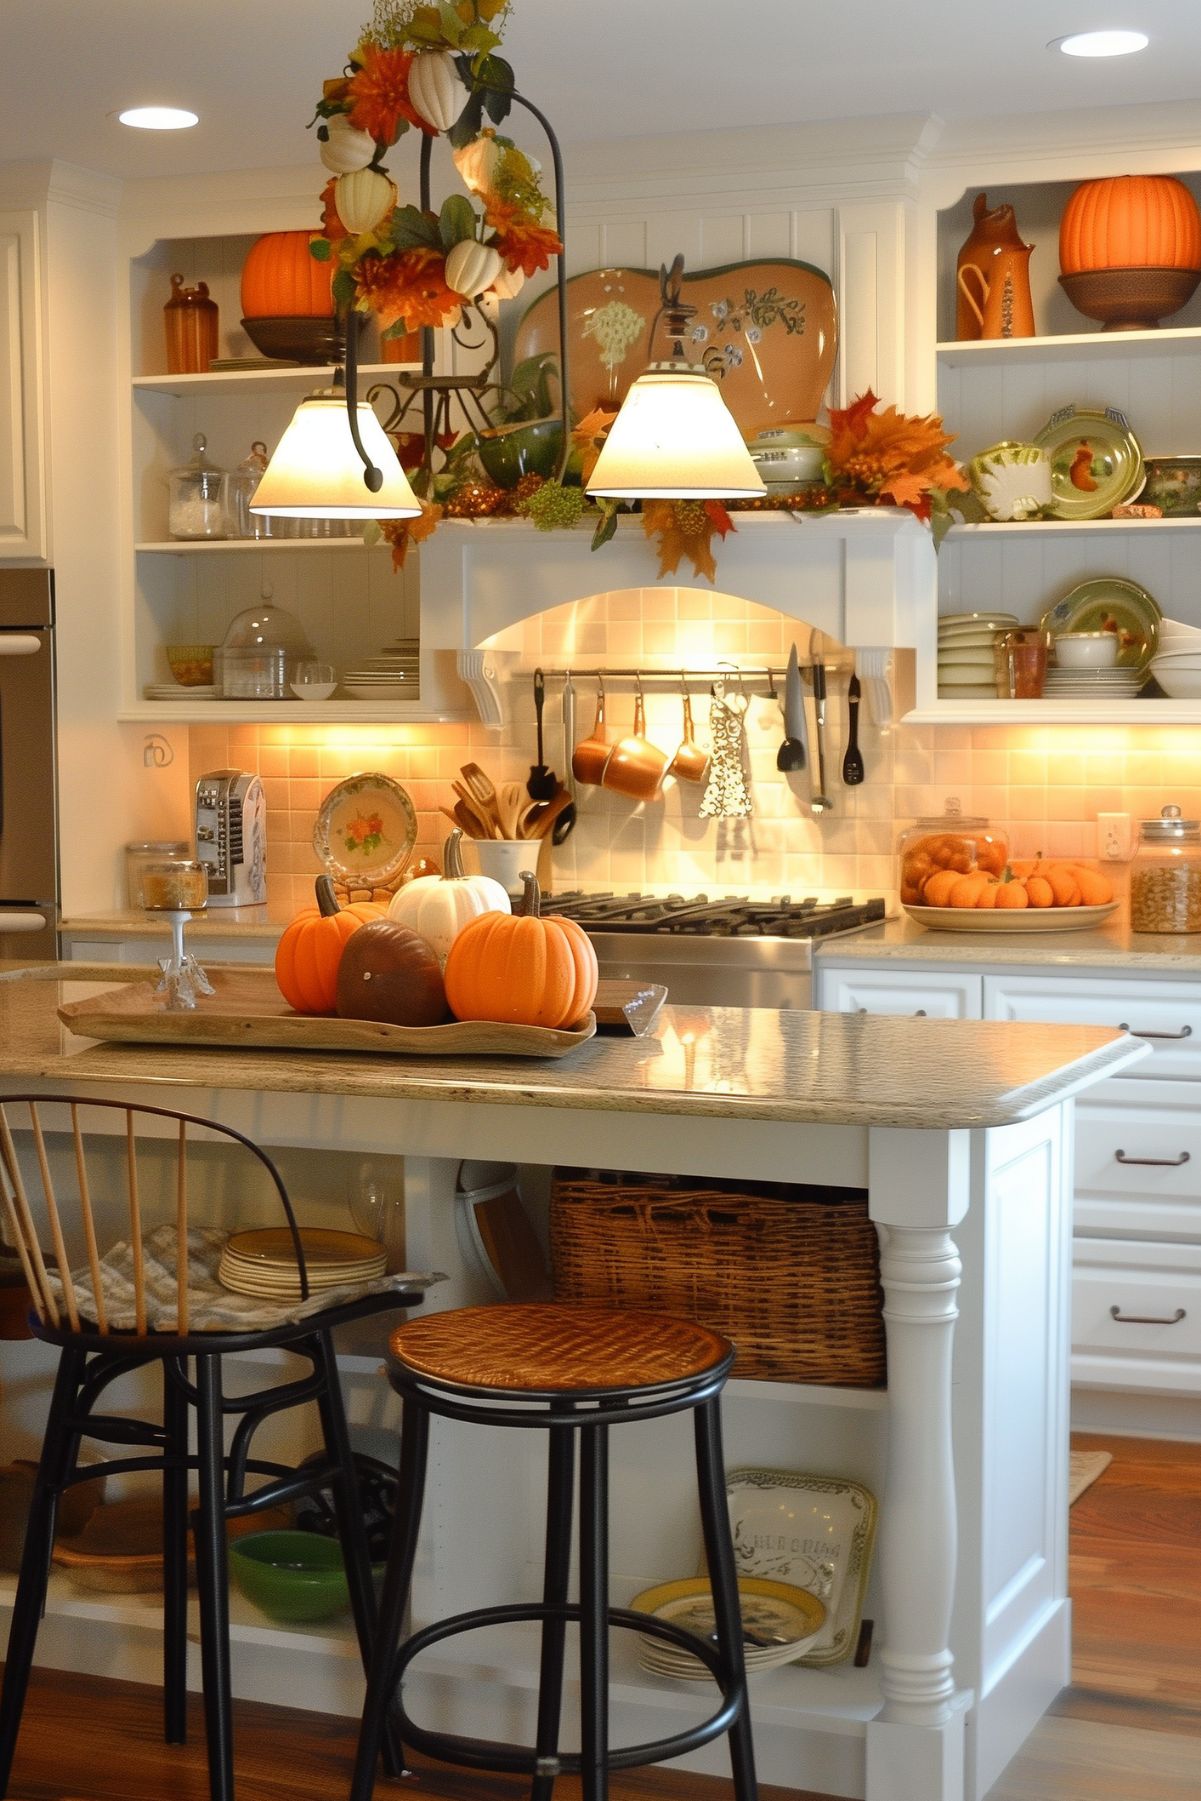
1115,837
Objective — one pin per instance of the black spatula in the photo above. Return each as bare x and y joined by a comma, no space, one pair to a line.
543,783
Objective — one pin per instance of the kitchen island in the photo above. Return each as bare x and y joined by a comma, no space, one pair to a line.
960,1131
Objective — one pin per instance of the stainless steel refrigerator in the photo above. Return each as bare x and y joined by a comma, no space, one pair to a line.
28,787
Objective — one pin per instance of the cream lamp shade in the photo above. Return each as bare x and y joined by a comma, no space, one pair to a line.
674,439
316,472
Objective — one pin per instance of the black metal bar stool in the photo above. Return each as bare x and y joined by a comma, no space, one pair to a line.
573,1372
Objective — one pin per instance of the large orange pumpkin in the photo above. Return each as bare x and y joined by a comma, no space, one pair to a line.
310,950
280,280
1130,222
522,969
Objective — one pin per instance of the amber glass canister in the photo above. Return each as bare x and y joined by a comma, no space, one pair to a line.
191,322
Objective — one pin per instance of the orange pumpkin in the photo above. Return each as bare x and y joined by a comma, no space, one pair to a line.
280,280
310,950
521,968
1130,222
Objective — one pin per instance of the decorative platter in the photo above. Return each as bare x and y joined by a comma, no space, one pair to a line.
767,330
366,829
1028,919
1110,604
246,1008
1096,461
814,1531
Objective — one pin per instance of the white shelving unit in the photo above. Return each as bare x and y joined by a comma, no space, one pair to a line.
992,389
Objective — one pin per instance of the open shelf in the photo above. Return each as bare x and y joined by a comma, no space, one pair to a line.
291,378
1057,712
1068,347
1055,528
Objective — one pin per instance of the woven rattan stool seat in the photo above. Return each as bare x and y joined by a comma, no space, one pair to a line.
553,1349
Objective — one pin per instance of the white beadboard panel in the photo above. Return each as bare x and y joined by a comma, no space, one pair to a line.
624,244
1026,575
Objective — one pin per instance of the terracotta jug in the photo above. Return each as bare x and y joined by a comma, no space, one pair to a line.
998,296
994,229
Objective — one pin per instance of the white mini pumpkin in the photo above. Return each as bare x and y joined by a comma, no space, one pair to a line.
509,283
346,148
364,198
476,162
439,906
437,94
471,267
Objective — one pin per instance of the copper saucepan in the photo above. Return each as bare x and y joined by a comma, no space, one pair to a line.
636,767
590,756
690,763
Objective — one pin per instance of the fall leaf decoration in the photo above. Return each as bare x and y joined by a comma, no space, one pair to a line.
685,528
881,458
588,437
401,534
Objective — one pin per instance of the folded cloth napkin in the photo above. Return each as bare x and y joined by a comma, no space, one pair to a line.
212,1308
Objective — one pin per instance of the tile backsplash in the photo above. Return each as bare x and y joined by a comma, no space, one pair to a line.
1046,784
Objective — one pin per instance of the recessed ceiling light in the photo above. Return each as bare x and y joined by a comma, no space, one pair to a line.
1100,43
158,118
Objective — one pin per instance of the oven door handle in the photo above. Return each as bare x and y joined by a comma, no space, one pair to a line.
19,644
22,922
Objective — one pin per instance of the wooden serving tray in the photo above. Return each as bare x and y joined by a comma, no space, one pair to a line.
248,1009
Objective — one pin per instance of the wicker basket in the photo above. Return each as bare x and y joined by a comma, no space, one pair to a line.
789,1274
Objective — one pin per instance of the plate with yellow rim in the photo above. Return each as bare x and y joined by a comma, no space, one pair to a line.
779,1620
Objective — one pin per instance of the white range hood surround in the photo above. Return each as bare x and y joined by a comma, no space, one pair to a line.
867,578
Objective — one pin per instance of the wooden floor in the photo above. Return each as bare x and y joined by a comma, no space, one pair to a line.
1129,1728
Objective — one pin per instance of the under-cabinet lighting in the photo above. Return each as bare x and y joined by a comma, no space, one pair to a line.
1101,43
158,118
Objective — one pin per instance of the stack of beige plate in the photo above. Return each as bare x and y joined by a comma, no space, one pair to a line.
264,1262
393,675
779,1623
966,670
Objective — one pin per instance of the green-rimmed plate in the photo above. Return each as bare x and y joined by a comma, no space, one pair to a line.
1109,604
1096,461
366,828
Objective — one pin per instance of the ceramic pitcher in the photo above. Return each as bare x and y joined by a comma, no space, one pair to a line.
998,295
993,229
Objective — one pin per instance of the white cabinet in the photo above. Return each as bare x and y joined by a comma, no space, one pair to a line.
23,525
1165,1015
867,988
1136,1315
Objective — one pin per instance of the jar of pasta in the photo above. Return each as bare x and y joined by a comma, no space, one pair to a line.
1165,876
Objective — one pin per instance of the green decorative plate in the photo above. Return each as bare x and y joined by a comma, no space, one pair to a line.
1110,604
1096,461
366,829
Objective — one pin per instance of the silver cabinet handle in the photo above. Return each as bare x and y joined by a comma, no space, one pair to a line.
1140,1319
1184,1032
1154,1162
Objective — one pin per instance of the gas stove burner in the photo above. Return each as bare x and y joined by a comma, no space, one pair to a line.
733,917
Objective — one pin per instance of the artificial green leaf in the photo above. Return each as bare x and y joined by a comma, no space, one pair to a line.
456,221
452,25
606,525
372,532
320,249
468,123
410,227
496,76
342,288
479,40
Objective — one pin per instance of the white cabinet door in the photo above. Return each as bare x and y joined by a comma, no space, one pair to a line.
22,485
869,988
1166,1014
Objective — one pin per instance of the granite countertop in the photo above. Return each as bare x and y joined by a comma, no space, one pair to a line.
263,921
824,1068
1111,945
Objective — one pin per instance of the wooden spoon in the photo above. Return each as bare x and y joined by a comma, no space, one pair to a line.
484,824
510,804
479,787
546,815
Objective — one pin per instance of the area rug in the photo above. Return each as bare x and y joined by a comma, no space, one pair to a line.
1083,1469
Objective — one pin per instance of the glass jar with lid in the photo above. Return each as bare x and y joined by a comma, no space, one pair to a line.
259,654
957,842
242,484
197,504
1165,876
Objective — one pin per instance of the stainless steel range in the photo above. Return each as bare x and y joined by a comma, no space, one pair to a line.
714,953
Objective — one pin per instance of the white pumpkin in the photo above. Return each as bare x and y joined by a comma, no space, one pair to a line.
508,283
471,267
476,162
439,906
346,148
364,198
437,94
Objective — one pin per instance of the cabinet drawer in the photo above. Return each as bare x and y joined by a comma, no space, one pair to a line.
1167,1016
950,994
1138,1168
1136,1315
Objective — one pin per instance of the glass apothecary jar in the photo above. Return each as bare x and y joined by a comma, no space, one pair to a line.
242,484
198,496
1165,876
953,842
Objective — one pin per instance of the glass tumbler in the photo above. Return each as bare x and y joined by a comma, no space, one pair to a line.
1021,664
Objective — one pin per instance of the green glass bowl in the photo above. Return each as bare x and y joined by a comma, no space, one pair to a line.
290,1575
528,446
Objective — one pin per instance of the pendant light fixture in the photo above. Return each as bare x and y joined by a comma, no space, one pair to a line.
335,460
674,437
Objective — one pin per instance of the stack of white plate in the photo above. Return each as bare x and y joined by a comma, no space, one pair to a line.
393,675
779,1623
966,670
177,691
264,1262
1093,684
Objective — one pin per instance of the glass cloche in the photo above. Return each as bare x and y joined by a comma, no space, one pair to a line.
259,654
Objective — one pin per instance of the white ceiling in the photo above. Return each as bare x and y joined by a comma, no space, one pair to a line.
598,68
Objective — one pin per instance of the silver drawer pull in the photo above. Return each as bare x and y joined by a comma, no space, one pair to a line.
1184,1032
1154,1162
1139,1319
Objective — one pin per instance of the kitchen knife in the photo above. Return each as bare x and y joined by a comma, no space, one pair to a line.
791,754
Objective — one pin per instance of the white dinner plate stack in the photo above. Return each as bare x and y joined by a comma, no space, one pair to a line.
263,1263
393,675
1093,684
966,670
177,691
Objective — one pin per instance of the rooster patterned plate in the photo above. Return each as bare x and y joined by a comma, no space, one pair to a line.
1096,461
366,829
1110,604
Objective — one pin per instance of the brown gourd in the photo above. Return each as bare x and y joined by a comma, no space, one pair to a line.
390,973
